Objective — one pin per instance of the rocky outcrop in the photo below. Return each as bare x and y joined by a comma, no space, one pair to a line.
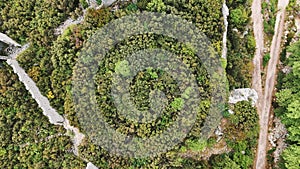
78,136
66,24
277,138
108,2
91,166
245,94
4,57
225,12
4,38
219,133
297,24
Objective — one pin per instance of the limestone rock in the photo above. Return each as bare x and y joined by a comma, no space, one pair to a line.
108,2
230,111
4,38
91,166
245,94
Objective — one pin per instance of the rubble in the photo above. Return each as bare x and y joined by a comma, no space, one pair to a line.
219,133
277,137
286,70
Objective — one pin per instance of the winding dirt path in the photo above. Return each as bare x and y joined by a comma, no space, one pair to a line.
43,102
264,105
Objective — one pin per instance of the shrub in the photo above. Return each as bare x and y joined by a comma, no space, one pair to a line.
84,3
99,2
266,59
239,16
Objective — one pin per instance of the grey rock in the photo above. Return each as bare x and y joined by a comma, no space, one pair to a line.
245,94
91,166
225,11
4,38
230,111
108,2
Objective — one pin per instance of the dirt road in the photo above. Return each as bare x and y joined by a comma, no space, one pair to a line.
264,108
257,19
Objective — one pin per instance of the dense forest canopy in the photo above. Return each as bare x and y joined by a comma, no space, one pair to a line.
30,141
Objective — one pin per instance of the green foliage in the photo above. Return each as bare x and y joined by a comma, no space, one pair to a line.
206,15
34,21
239,70
97,18
244,161
57,56
142,4
240,48
292,7
266,59
269,12
122,68
251,44
177,104
28,140
269,27
196,145
291,156
84,3
241,134
211,142
245,116
143,83
239,16
132,7
238,159
152,73
99,2
223,162
287,97
226,114
224,63
288,110
156,5
243,123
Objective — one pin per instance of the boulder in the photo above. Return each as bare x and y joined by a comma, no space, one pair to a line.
245,94
91,166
